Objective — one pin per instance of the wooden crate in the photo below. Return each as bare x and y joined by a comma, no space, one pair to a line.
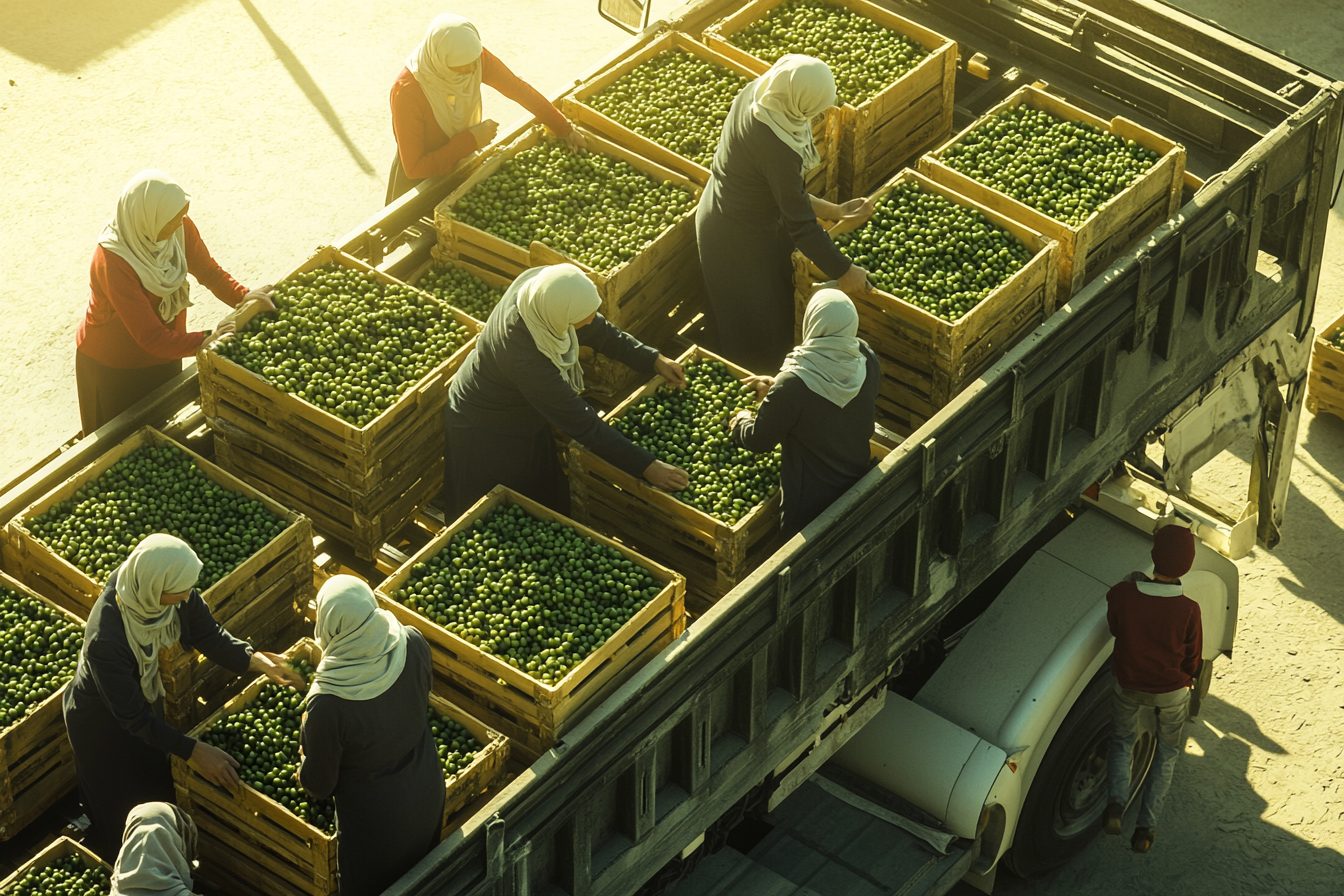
713,555
1090,247
926,360
436,259
258,600
876,138
360,484
1325,385
251,838
59,849
37,764
532,714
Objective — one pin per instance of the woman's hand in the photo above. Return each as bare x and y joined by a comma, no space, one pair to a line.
484,133
217,766
224,329
274,666
739,417
261,294
671,371
666,477
761,384
856,211
575,140
854,282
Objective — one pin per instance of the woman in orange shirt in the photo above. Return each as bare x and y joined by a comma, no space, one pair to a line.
436,104
134,333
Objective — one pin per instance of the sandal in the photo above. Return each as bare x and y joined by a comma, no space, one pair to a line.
1110,822
1143,839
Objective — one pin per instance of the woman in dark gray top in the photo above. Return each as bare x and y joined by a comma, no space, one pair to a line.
756,210
821,406
523,377
114,706
366,738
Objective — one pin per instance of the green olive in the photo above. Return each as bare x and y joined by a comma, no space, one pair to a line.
39,649
460,289
67,876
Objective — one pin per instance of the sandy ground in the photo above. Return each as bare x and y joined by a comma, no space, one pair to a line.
274,116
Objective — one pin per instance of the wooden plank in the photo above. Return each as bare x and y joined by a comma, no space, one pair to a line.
1087,248
59,849
533,714
1325,383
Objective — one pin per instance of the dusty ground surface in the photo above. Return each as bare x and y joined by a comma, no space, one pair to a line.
274,116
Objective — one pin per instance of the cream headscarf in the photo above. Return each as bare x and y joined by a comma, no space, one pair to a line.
156,853
829,360
161,564
454,98
795,90
363,647
551,301
148,202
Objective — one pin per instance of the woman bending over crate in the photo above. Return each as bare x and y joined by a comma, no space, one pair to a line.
524,377
821,406
436,104
134,333
156,853
366,738
756,209
114,706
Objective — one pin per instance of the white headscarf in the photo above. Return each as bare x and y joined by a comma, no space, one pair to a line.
148,202
551,301
829,360
161,564
794,91
363,647
454,98
156,853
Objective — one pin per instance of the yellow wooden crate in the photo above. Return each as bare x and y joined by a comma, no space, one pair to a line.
1325,384
59,849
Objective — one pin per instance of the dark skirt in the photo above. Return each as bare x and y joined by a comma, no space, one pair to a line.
116,771
104,392
399,183
476,460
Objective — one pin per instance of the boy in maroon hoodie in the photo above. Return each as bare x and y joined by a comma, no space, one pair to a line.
1157,649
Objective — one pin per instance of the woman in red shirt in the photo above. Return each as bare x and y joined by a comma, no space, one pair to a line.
134,333
436,104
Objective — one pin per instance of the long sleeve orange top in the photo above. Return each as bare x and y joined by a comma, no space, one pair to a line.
122,327
425,150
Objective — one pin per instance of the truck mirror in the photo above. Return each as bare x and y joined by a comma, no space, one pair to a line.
632,15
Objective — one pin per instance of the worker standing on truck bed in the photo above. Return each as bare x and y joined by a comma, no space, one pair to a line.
366,738
134,333
524,377
756,209
114,705
1158,641
821,406
156,853
436,104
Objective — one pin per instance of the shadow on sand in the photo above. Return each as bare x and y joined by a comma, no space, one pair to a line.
65,35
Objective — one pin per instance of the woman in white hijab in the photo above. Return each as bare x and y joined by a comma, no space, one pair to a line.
524,377
134,333
821,407
366,737
156,853
436,104
114,705
756,210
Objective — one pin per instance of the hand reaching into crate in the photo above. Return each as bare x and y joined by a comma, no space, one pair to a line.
671,371
217,766
761,385
276,668
484,133
853,282
666,477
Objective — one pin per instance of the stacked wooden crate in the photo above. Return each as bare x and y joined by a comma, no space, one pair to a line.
534,715
870,141
359,484
260,600
1325,385
1088,248
61,848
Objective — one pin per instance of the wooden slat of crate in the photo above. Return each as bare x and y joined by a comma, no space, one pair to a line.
485,769
59,849
1325,384
926,360
534,715
713,555
1088,248
37,764
875,139
634,290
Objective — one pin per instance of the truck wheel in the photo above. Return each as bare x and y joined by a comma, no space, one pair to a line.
1063,808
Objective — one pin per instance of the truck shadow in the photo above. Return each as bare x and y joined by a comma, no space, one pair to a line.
65,35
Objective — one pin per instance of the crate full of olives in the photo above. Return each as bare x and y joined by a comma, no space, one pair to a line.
1325,383
1094,185
532,617
290,846
713,531
893,77
65,868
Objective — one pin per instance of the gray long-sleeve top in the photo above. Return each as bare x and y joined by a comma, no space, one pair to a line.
508,387
758,183
108,671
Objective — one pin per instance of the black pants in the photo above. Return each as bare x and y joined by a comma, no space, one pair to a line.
104,392
476,461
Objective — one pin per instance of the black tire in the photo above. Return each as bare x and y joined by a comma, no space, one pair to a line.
1063,808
